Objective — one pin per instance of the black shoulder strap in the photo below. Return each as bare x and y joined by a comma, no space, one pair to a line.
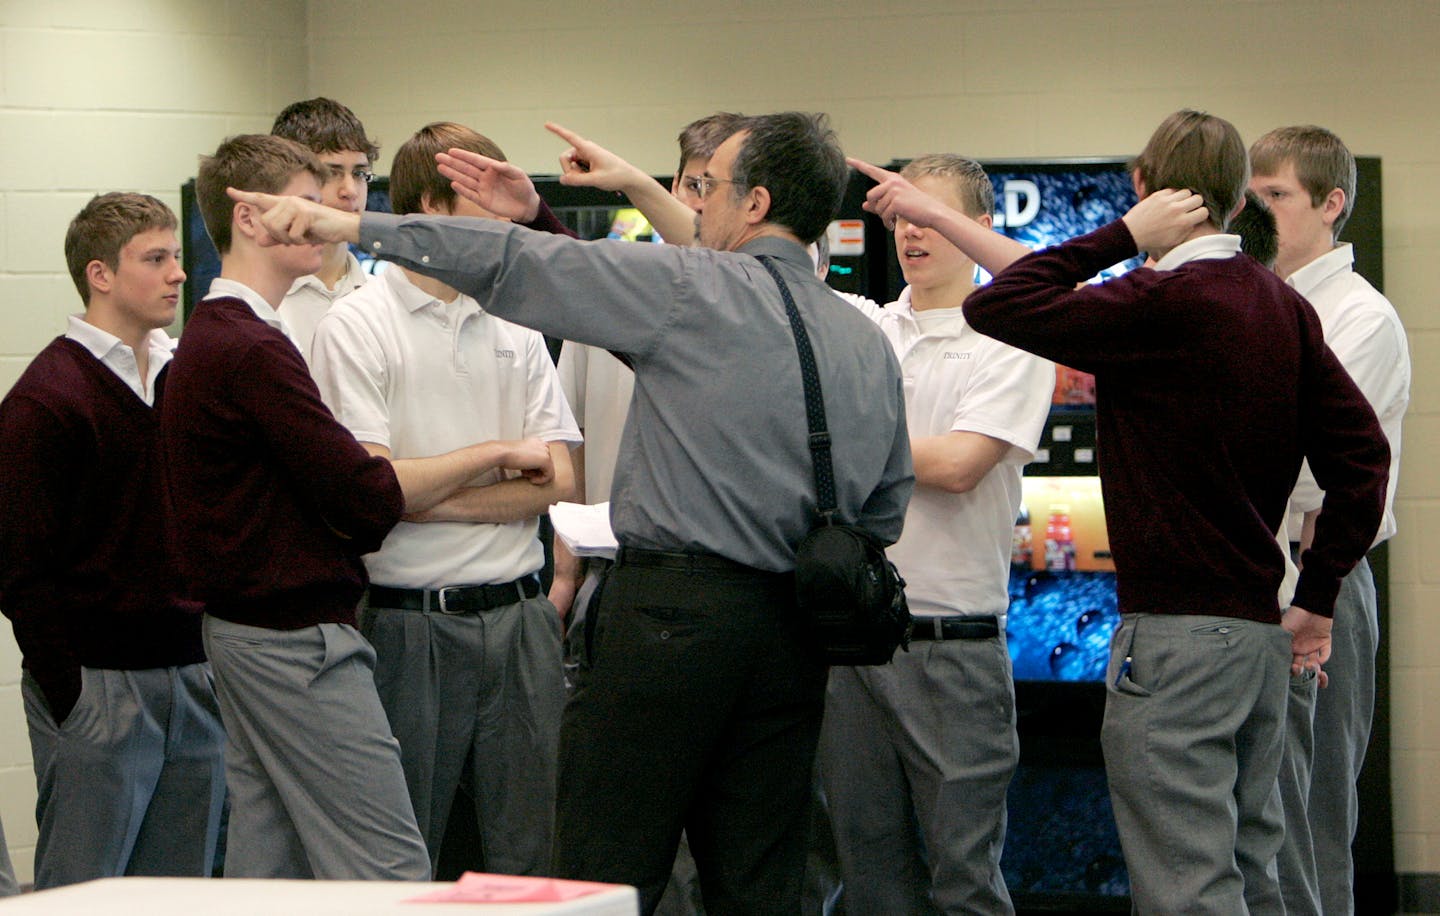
814,402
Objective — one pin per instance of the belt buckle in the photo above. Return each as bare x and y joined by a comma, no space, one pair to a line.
444,605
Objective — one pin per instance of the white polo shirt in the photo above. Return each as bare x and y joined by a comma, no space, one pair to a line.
955,551
423,377
309,299
1367,337
598,388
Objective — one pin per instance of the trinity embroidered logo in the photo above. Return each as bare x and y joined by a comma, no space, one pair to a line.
951,354
502,353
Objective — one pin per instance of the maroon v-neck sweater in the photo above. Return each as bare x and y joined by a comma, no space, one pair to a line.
85,569
274,501
1212,382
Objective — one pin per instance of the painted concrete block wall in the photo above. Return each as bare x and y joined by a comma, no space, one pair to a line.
102,95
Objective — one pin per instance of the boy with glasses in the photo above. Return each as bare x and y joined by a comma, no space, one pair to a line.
337,138
599,388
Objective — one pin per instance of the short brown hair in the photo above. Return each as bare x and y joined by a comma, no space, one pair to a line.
972,186
106,225
414,176
325,126
1201,153
249,162
700,139
1321,160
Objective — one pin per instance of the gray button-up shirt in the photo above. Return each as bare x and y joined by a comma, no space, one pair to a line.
715,454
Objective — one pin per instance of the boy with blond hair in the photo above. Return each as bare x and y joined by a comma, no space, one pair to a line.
1307,177
275,504
975,408
124,729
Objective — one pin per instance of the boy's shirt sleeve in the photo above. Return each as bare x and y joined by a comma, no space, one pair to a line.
1350,459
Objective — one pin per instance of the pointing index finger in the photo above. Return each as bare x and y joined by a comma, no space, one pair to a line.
865,168
564,133
264,201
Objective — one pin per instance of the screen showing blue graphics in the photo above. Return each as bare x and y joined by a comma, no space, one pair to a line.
1060,623
1043,204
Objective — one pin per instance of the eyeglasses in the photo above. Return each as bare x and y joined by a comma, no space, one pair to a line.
336,173
702,185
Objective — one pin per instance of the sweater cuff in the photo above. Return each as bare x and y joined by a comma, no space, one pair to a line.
546,221
1115,241
1316,593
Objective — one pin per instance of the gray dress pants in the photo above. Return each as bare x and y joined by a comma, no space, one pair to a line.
916,758
316,789
477,697
1327,733
8,886
133,781
1192,736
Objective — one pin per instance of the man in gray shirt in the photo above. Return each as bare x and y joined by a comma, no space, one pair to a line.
700,707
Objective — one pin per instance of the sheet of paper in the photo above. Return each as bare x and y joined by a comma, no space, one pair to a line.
585,529
474,887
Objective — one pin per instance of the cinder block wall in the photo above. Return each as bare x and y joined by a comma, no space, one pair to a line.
124,94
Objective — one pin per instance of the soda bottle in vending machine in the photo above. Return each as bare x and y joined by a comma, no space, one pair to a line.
1059,540
1022,543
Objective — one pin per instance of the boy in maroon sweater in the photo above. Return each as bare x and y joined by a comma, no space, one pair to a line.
275,502
1213,381
124,729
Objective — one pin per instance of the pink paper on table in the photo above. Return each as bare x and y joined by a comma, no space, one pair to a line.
474,887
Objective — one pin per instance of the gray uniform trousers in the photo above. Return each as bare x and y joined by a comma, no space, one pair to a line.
1192,737
316,789
916,757
1327,733
8,886
133,781
486,688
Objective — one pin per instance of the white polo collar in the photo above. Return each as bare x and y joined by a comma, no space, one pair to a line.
221,286
1338,260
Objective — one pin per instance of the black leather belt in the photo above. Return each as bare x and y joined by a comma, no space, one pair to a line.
976,626
694,562
455,599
